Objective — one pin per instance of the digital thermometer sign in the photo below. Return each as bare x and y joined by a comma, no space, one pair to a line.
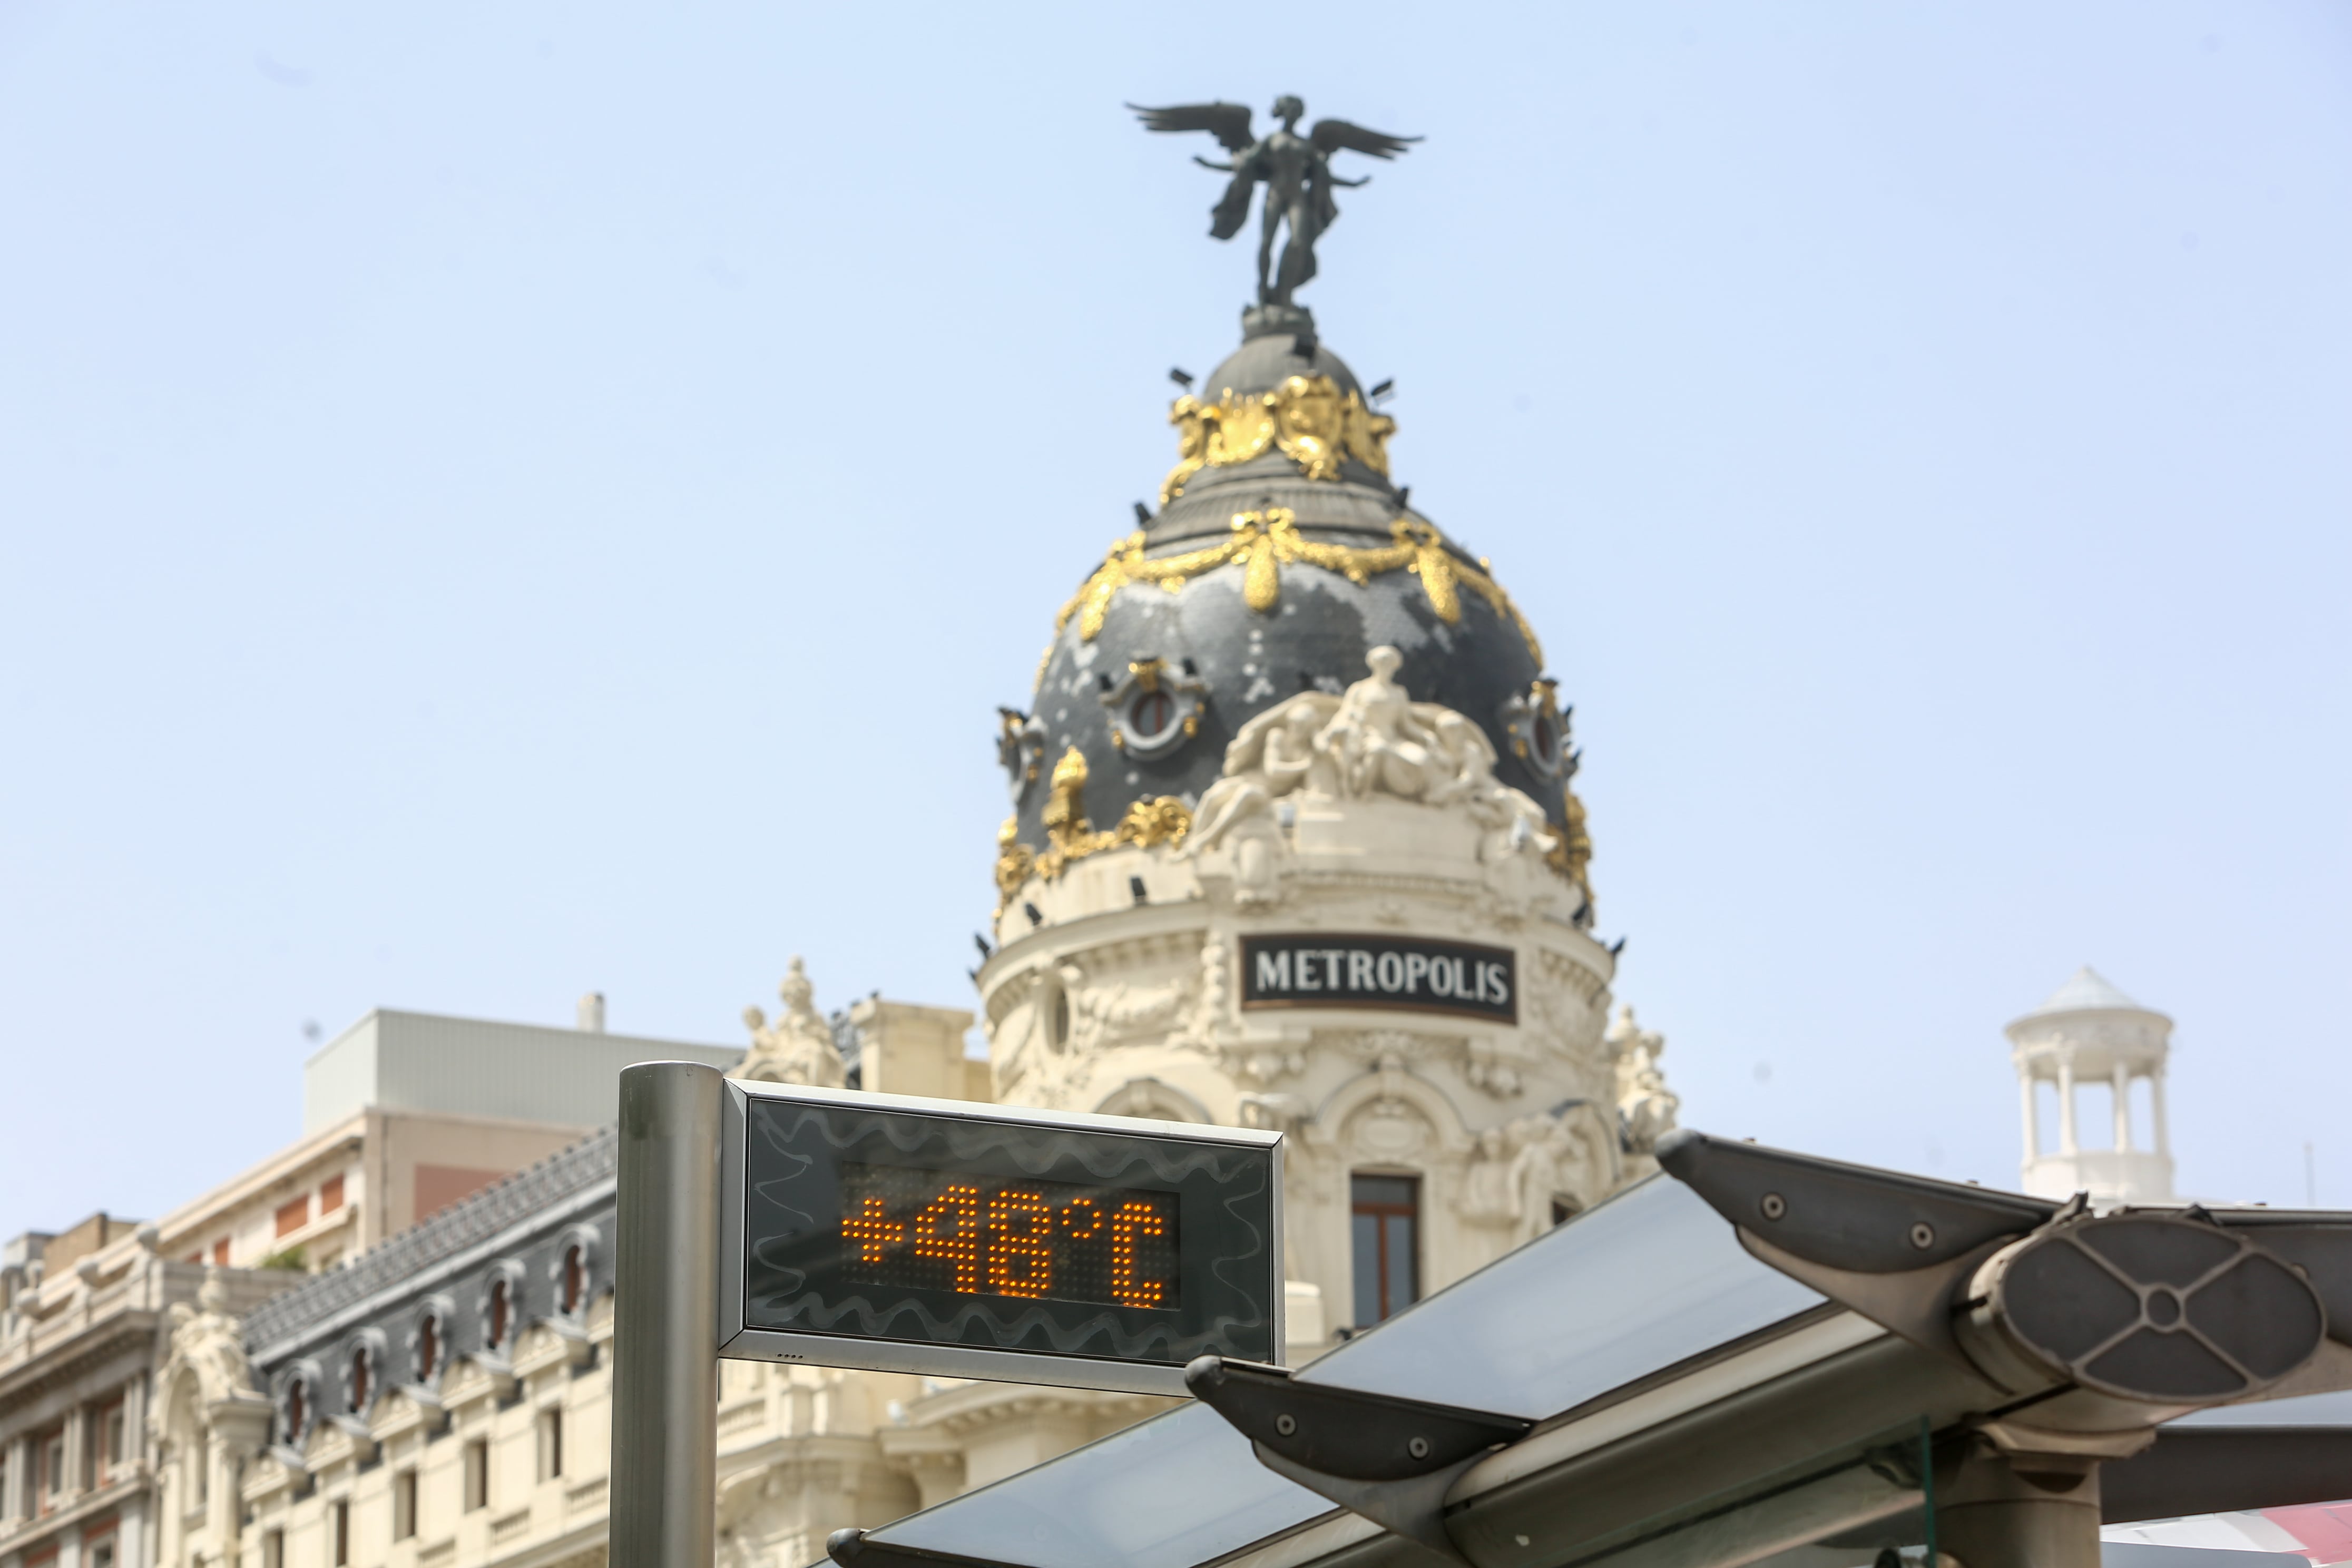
974,1240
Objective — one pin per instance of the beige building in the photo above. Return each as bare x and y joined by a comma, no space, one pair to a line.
408,1114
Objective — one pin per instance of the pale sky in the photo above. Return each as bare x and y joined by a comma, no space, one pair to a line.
503,500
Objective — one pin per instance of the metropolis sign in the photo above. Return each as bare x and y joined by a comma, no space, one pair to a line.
958,1238
1338,969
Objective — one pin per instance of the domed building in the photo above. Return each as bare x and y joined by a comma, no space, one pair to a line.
1293,842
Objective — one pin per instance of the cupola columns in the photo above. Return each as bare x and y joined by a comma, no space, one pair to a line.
2090,1034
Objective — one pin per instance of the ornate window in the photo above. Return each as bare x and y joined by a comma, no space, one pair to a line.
1385,1219
360,1378
1155,707
497,1321
572,1272
500,1308
428,1340
295,1415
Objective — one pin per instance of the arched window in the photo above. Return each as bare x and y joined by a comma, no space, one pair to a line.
428,1347
361,1381
575,1280
501,1312
298,1411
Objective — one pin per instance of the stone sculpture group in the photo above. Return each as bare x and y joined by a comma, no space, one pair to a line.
1373,739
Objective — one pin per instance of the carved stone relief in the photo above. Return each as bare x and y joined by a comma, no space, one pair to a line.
798,1048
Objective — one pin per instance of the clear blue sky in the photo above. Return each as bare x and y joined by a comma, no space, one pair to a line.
503,500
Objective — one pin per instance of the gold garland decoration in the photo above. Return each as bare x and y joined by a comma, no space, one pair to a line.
1573,855
1070,837
1305,418
1262,542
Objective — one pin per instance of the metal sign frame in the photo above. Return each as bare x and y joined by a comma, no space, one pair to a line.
814,1348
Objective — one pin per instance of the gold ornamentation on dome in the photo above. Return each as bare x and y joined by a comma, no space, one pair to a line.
1305,418
1573,855
1263,541
1150,822
1068,835
1015,862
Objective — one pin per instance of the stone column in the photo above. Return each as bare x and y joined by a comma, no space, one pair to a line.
14,1488
170,1472
2123,1108
221,1503
78,1476
2032,1113
131,1534
238,1426
2155,1104
2066,1143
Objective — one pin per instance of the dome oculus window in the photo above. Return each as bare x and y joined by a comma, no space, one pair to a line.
1538,728
1156,707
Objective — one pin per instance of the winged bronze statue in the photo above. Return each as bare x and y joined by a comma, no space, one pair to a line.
1296,171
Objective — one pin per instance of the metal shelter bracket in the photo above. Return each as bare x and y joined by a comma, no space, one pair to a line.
1390,1460
852,1548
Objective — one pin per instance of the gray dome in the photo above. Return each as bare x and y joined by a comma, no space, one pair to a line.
1222,661
1264,362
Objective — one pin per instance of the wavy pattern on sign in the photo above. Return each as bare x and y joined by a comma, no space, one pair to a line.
782,1127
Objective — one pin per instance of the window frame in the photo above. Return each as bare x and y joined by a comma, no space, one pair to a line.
404,1504
475,1478
549,1429
1381,1213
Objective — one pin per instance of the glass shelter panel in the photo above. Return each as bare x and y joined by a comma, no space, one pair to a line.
1178,1490
1651,1278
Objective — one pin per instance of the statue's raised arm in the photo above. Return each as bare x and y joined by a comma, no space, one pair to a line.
1296,171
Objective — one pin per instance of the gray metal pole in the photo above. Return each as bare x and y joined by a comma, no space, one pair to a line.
664,1486
2005,1512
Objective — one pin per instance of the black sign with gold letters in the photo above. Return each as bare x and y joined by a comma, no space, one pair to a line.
1342,969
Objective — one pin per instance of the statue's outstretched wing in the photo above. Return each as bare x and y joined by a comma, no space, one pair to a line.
1331,136
1228,122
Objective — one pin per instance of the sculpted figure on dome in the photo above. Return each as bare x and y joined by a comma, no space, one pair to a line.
798,1048
1274,753
1296,171
1378,740
1372,739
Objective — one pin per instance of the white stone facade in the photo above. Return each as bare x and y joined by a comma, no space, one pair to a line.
1116,988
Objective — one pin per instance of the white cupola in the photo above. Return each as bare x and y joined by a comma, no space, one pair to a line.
2094,1043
